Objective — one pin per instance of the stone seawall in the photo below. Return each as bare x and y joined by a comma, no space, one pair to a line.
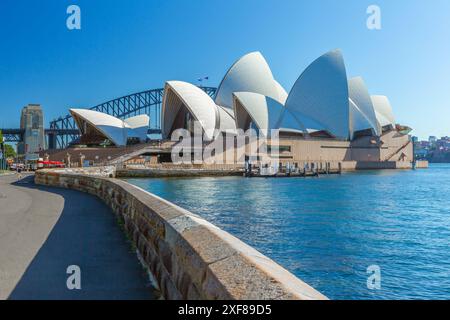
189,257
180,171
422,164
375,165
164,173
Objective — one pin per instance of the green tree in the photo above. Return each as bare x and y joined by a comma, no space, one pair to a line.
9,151
6,148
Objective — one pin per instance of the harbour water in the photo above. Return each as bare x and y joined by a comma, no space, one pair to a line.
329,230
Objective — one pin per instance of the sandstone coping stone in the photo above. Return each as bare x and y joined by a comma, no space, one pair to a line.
189,257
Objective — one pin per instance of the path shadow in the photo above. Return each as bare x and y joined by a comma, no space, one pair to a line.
87,235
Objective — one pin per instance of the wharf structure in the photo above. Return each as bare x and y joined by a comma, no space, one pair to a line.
327,119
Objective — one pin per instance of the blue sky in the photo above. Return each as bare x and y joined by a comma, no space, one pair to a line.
129,46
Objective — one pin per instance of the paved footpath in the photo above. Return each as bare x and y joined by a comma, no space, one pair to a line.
45,230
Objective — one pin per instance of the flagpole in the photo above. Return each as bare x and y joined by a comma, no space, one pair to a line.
200,80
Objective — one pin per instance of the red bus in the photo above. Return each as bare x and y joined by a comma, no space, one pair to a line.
50,164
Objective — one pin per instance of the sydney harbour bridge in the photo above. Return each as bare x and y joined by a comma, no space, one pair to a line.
63,129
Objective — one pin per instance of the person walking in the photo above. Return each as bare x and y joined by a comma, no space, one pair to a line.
19,173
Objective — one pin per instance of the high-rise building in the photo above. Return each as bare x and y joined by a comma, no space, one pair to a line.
32,121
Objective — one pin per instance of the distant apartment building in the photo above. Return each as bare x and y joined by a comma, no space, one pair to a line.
32,121
433,150
432,139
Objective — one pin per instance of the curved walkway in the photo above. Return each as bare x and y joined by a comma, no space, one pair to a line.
44,230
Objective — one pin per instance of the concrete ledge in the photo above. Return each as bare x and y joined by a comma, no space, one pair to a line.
189,257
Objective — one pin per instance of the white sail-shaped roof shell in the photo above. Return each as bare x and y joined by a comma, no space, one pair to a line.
251,73
198,103
383,110
138,126
142,120
321,94
358,120
225,120
266,113
113,128
382,120
359,95
116,130
282,94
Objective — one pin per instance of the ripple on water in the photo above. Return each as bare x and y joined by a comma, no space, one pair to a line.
328,230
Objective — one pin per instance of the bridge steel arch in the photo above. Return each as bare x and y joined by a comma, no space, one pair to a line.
145,102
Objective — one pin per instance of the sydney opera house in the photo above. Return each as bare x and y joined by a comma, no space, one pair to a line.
326,116
98,127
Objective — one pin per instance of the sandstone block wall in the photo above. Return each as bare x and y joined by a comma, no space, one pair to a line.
189,257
